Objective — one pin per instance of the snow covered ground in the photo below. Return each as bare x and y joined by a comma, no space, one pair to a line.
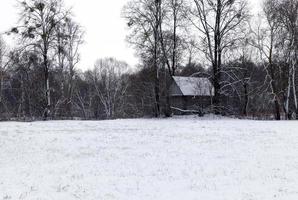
147,159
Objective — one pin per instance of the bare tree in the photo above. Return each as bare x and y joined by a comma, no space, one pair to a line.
171,42
287,11
2,67
109,87
38,22
61,42
75,40
266,40
69,40
144,18
4,62
219,23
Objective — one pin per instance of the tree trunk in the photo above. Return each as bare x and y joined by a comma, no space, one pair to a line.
70,90
156,68
217,59
156,90
168,109
174,40
274,90
69,99
277,110
47,110
245,99
273,81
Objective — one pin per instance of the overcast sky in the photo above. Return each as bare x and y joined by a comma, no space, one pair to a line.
104,27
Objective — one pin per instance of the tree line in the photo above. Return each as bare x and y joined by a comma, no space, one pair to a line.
251,61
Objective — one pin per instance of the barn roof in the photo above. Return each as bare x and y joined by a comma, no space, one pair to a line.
192,86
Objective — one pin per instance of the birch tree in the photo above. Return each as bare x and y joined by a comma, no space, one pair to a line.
287,11
266,41
109,87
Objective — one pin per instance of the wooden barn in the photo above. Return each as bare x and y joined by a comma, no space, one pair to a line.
190,94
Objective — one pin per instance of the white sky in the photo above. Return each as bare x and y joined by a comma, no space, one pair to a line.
104,27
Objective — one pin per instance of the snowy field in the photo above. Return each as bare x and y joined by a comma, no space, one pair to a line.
147,159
